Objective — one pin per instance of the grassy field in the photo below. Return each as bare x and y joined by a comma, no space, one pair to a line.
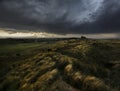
59,65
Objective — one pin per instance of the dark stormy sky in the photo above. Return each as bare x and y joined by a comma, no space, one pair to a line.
61,16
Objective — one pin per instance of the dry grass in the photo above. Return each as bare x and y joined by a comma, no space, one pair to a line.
65,65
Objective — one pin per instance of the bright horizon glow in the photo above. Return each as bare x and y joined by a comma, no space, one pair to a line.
9,34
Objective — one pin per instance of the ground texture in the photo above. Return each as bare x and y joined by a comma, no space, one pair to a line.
62,65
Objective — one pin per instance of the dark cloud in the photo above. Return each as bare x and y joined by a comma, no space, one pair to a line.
62,16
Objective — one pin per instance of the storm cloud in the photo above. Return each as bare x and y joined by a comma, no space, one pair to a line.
62,16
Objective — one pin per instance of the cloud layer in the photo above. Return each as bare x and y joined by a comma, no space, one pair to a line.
62,16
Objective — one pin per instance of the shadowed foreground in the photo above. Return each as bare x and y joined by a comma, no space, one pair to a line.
60,65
